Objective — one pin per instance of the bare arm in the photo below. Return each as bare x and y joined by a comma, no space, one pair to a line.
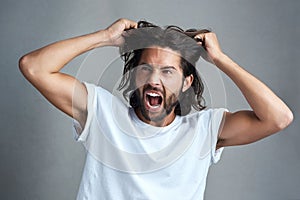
269,113
42,68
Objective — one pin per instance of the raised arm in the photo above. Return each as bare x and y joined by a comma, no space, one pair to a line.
42,68
269,113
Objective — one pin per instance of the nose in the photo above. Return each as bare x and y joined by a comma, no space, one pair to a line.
154,78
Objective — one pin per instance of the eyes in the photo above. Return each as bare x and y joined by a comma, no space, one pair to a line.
166,71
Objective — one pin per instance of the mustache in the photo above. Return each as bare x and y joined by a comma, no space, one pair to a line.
149,87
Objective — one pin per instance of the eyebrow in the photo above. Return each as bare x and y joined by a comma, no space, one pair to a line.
164,67
169,67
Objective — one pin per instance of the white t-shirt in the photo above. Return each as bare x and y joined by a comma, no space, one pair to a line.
128,159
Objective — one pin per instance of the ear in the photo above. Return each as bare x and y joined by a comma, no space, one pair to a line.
187,82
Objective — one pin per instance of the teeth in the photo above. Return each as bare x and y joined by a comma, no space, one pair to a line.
154,106
153,94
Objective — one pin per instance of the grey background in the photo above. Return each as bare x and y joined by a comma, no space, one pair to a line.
39,158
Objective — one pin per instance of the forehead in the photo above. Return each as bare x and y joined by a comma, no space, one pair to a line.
161,57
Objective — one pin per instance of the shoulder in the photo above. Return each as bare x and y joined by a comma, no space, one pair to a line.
207,114
96,90
205,120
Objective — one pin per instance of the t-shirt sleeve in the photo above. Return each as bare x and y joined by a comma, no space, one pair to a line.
217,117
80,133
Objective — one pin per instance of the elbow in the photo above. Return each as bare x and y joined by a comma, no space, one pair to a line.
23,63
26,66
284,121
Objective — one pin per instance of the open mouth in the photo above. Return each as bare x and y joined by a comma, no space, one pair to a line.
153,100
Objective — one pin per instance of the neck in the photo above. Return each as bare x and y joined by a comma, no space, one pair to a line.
159,123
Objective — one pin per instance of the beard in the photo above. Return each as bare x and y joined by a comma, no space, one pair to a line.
137,101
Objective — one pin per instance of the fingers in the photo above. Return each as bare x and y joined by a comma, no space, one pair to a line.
129,24
116,30
207,39
200,38
209,42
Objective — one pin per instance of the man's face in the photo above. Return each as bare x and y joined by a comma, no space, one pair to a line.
159,81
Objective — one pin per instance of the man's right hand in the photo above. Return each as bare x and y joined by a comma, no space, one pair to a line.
115,31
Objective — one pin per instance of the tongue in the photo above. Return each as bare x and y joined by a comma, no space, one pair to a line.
154,101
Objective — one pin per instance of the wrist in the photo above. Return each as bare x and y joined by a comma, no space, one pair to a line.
219,57
101,38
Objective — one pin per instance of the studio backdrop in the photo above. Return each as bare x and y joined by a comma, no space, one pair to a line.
39,156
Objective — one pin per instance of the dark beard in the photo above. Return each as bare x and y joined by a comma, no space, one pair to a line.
137,102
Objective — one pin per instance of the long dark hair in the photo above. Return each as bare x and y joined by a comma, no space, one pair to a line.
175,38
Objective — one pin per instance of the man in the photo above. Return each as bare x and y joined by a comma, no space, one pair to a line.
154,149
